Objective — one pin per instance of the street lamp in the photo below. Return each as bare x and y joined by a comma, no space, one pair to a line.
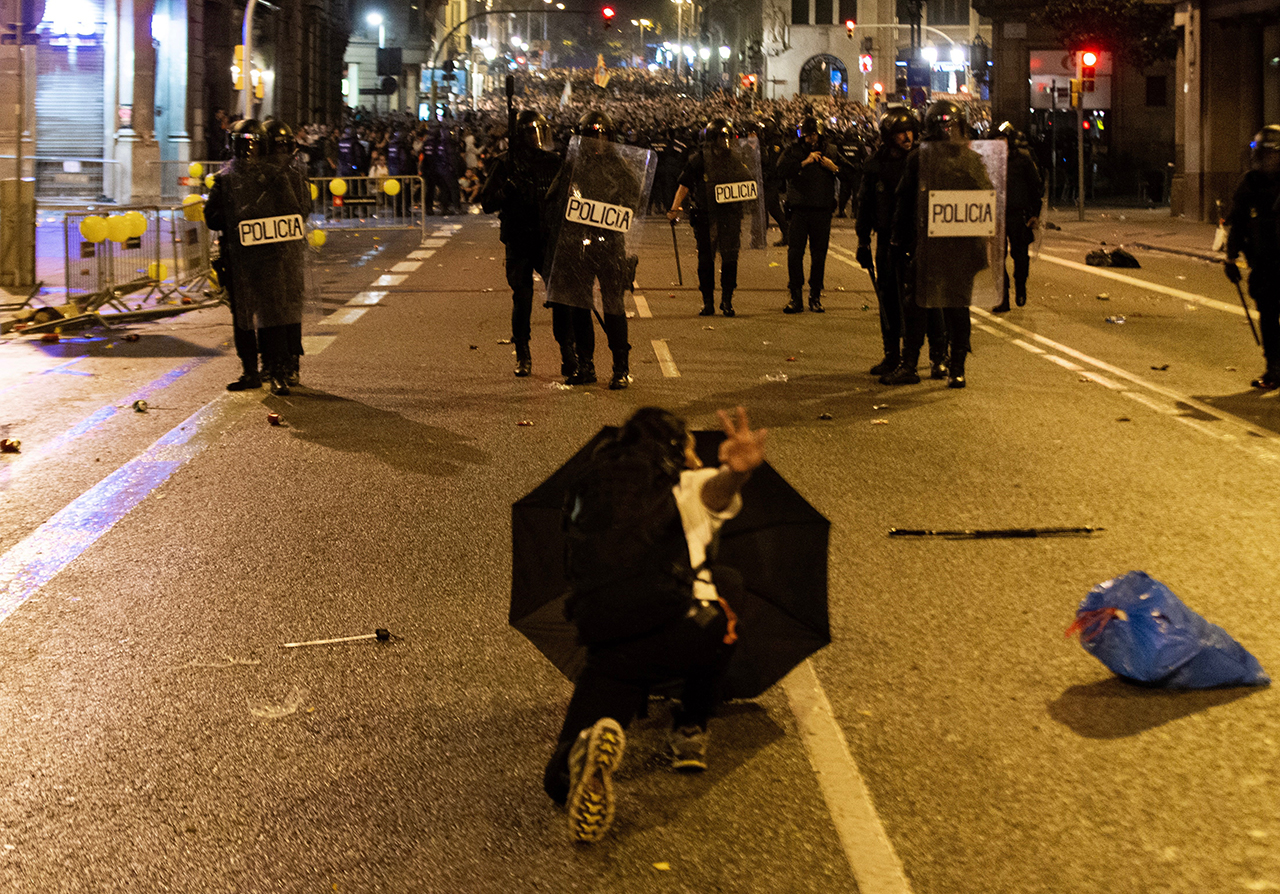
374,19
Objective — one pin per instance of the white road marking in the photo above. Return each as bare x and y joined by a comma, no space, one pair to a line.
433,243
406,266
421,254
363,298
642,306
1223,306
390,279
314,344
343,317
1065,364
875,864
665,363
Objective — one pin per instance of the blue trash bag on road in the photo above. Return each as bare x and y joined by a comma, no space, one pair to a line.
1139,629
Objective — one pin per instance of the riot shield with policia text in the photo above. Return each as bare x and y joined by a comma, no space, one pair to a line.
261,206
732,204
596,208
960,226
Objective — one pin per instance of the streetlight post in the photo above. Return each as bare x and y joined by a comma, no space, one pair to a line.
704,53
679,37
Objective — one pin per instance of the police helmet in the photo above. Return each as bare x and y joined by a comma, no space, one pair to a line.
718,132
278,136
898,119
597,125
941,118
1266,140
812,125
247,138
532,129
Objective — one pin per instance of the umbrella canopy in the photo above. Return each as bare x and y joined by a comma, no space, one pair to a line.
778,542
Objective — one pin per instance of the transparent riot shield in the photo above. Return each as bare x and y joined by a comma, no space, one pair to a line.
267,202
960,223
733,199
596,209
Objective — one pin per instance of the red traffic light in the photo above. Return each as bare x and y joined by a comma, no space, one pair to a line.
1089,57
608,12
849,26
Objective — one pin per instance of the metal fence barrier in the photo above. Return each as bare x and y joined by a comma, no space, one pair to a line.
369,203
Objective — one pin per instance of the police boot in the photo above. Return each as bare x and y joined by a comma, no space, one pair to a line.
906,373
280,381
815,302
584,373
293,377
1019,293
796,306
937,366
568,361
885,366
726,305
248,381
524,362
621,371
955,375
708,306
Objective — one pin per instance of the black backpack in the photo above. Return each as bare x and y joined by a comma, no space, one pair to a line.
626,556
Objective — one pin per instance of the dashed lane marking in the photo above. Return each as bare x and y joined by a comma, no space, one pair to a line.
433,243
390,279
421,254
665,362
365,298
345,316
642,306
314,344
406,266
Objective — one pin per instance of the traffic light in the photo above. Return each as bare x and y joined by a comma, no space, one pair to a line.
1088,70
1075,93
237,67
877,90
608,13
849,27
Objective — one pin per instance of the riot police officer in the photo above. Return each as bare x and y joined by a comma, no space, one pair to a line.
716,219
854,152
517,189
1252,220
811,168
899,130
1021,212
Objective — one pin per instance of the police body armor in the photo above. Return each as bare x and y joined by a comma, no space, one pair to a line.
960,225
596,209
731,203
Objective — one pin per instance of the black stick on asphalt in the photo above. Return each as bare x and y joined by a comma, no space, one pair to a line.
1247,315
676,245
992,533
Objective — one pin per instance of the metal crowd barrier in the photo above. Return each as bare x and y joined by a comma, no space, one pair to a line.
369,203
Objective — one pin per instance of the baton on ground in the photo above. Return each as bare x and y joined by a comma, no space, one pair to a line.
1248,316
381,635
676,245
993,533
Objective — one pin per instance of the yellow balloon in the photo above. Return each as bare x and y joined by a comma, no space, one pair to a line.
193,208
195,169
391,187
338,186
157,271
315,192
317,238
93,228
117,228
137,223
208,181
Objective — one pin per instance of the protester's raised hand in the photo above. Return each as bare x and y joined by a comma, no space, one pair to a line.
742,449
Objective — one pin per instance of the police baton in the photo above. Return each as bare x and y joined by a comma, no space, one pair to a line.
676,245
511,111
1247,315
871,272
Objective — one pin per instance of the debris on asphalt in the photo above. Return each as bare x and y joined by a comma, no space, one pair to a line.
1104,297
1161,368
51,338
10,445
132,336
475,347
505,341
1143,633
791,360
1123,419
139,406
560,386
879,406
525,422
879,421
274,419
1117,319
774,377
381,634
825,416
269,711
662,867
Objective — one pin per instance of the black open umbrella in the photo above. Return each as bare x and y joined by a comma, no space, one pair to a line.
778,542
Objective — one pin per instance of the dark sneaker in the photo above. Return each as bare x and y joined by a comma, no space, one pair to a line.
293,379
938,369
903,375
594,758
279,386
795,307
1001,308
815,304
884,367
688,749
619,381
955,382
708,310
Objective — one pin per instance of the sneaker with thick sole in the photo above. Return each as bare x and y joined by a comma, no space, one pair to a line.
937,369
688,749
595,757
884,367
246,382
903,375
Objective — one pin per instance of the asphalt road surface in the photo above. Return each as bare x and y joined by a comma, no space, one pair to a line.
158,737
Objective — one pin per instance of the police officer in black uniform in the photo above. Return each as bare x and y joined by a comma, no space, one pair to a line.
716,228
811,168
1025,187
854,152
1252,220
517,189
772,145
899,131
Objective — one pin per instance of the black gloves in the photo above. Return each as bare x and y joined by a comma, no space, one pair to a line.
1232,271
864,256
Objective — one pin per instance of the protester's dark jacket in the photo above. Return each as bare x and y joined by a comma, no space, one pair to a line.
1252,221
810,187
876,196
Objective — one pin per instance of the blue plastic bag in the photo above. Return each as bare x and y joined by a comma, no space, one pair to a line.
1139,629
